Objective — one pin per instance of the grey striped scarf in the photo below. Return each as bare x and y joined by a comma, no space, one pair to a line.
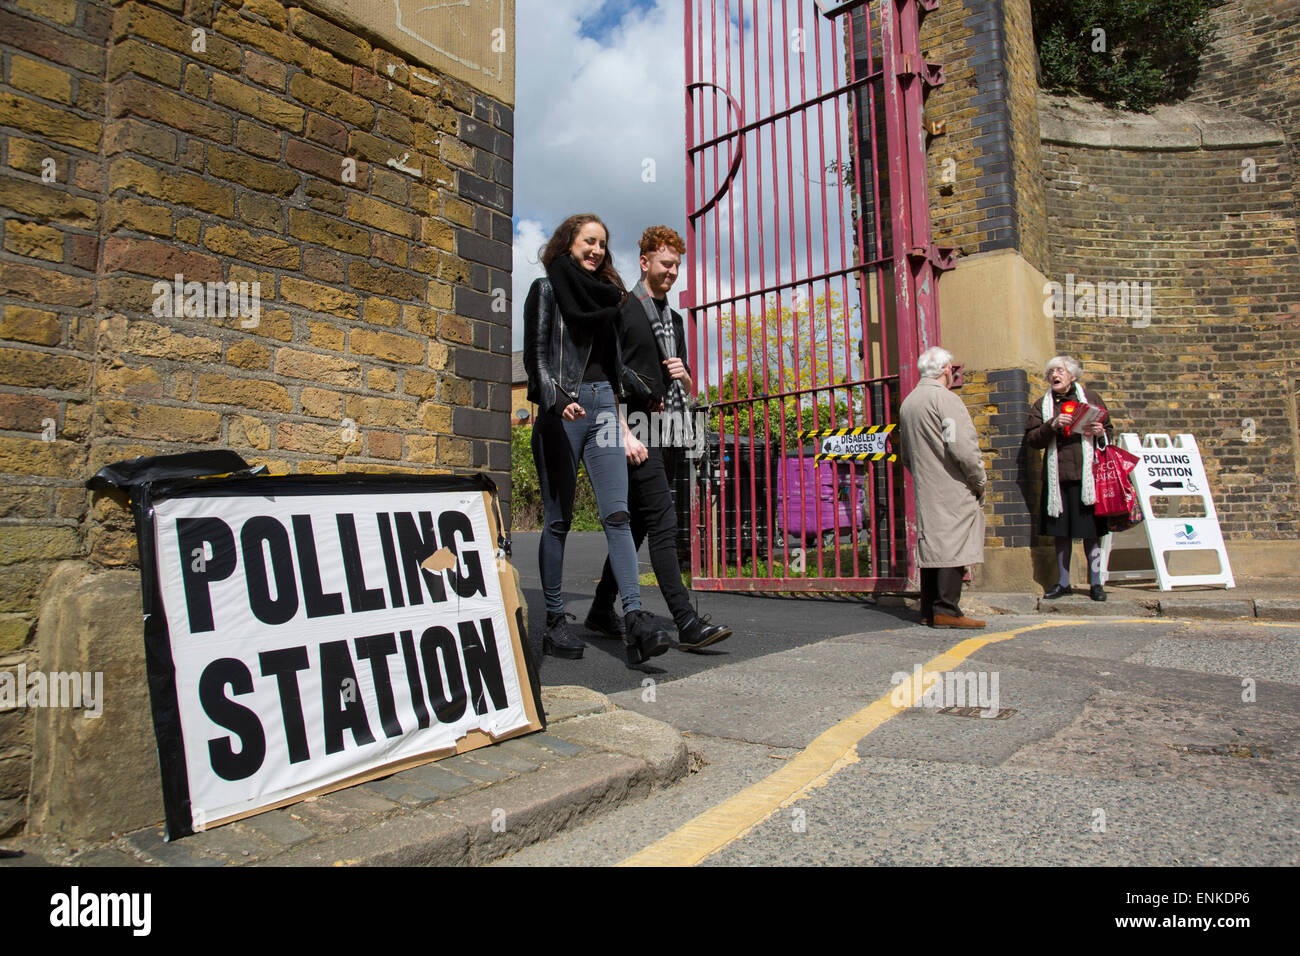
675,421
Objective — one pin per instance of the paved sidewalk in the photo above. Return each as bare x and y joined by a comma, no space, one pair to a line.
469,809
1265,599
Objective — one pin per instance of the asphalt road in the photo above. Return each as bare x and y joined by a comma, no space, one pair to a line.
763,624
1129,742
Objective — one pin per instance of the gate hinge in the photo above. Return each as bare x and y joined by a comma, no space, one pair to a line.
931,73
942,258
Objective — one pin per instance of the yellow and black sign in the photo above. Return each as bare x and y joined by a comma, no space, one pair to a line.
865,443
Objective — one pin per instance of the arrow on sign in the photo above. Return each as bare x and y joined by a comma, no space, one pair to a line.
1161,484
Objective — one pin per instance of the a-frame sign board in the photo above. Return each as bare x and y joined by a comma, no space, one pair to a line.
1170,468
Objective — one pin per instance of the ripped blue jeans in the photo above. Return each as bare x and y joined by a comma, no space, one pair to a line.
558,446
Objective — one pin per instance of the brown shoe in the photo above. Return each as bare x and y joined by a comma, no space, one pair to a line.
946,620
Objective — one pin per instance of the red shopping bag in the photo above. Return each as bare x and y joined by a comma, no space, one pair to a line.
1111,467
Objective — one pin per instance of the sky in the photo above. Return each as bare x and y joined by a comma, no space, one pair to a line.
599,90
600,126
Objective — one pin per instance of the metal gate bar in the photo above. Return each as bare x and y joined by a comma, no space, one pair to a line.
744,530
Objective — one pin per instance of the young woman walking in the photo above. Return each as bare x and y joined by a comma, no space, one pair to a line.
571,354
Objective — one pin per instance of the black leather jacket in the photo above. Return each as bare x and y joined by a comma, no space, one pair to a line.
556,352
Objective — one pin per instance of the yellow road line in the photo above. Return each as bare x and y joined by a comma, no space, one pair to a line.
812,767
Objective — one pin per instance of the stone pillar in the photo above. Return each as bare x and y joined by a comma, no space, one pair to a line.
987,199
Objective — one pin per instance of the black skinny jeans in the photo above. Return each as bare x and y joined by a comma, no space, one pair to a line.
650,499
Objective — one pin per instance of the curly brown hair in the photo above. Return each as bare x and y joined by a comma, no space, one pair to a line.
656,237
561,242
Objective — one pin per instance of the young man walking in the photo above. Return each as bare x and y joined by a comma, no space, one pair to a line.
653,350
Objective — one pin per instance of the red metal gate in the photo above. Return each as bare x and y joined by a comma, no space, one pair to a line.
808,306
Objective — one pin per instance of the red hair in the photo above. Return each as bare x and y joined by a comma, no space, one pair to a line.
656,237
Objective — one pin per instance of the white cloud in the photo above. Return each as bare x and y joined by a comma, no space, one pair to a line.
590,112
529,238
587,115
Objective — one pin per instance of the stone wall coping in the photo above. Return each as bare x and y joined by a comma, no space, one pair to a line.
1074,121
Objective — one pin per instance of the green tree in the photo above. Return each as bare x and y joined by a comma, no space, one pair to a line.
782,353
1127,53
526,492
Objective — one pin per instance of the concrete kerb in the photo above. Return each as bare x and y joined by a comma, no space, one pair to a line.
616,756
465,810
1215,605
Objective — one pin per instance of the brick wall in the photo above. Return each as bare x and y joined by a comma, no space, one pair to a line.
368,197
1253,65
984,171
1222,348
998,405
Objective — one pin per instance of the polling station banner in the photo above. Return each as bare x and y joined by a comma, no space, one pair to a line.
306,633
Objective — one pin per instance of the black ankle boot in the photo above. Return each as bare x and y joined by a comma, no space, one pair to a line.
604,622
559,640
644,639
699,632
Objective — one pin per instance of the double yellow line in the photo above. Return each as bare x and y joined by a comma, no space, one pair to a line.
812,767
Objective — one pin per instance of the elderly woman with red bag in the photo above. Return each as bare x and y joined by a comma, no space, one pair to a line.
1069,488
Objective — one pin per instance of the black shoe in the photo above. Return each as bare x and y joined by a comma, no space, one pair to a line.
700,633
644,639
1057,592
604,622
559,640
1097,593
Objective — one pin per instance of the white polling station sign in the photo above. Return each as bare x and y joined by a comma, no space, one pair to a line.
308,634
1172,468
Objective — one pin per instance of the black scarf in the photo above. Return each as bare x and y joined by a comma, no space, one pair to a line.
581,296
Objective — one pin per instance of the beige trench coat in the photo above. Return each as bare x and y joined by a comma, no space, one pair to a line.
941,451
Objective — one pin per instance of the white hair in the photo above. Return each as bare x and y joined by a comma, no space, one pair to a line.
932,362
1072,366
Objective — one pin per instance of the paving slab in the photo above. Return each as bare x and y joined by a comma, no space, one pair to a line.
627,732
464,765
570,700
524,811
280,827
417,838
1014,603
1114,606
439,779
108,857
1215,608
1278,609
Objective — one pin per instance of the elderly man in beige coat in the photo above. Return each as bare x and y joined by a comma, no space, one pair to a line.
941,451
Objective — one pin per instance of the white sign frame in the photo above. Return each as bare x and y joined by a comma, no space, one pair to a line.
1171,468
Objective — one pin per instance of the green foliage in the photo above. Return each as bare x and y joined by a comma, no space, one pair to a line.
526,493
800,351
1150,52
